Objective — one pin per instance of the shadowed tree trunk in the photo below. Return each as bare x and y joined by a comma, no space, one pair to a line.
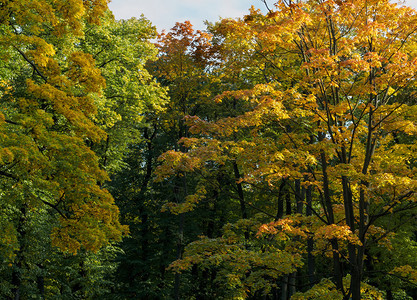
20,258
311,265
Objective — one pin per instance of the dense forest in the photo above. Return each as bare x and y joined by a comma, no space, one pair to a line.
273,156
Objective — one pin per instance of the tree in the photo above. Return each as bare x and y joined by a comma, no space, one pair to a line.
129,112
47,108
336,115
121,49
184,60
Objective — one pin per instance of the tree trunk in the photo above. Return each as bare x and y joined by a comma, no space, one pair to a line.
240,191
179,256
180,242
311,264
337,268
299,196
288,209
19,262
241,196
291,283
280,206
284,288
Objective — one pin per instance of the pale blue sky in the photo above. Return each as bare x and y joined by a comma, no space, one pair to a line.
164,13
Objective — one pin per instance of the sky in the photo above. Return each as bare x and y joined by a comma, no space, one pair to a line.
164,13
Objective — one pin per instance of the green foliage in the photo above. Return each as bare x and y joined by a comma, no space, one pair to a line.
241,265
121,49
54,114
326,289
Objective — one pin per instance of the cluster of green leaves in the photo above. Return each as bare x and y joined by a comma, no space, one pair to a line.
67,116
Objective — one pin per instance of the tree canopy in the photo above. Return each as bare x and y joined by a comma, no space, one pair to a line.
268,157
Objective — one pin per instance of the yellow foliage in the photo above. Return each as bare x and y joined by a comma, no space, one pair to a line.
406,272
337,232
46,120
341,121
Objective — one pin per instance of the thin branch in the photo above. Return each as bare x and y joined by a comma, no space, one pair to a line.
106,62
12,122
55,208
266,5
31,63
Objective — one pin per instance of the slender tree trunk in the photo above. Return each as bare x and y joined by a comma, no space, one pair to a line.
284,288
355,268
299,196
356,259
149,158
288,285
280,206
240,191
19,261
241,196
180,246
288,208
357,264
139,199
279,215
311,263
180,242
337,268
183,132
291,283
275,294
213,211
145,243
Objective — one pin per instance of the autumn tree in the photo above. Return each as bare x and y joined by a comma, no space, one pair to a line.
336,115
184,62
48,103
